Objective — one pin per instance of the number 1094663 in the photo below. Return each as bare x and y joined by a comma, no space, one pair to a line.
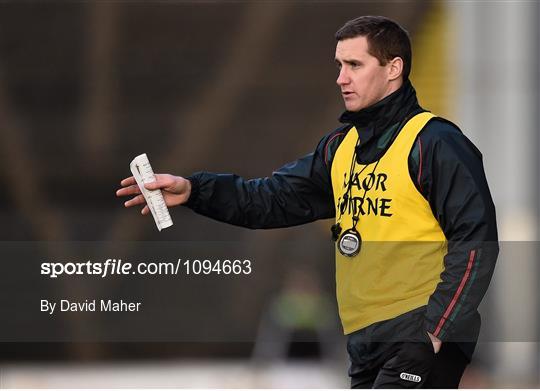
218,266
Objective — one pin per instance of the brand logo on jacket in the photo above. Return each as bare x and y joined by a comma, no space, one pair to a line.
410,377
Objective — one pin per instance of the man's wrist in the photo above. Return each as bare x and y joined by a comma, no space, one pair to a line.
193,186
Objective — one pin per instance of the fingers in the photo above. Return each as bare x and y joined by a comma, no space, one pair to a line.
162,181
129,187
129,190
167,182
128,181
135,201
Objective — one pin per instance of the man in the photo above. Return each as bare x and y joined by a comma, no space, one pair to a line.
415,228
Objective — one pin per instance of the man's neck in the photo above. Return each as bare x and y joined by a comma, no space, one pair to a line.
392,108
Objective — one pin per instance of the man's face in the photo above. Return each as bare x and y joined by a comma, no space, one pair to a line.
362,79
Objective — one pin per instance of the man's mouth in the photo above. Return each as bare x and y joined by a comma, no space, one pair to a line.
346,93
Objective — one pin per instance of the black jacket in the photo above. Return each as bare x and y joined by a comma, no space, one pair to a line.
445,167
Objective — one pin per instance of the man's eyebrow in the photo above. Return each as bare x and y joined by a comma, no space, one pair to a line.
348,61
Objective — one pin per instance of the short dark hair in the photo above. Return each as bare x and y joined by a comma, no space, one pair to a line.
386,39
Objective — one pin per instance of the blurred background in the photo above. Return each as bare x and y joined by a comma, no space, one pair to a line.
245,87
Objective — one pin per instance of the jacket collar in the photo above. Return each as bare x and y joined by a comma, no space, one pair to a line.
394,108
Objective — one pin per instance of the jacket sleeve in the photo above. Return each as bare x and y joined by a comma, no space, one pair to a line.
454,183
297,193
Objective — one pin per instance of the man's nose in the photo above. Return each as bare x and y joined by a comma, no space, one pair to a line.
343,77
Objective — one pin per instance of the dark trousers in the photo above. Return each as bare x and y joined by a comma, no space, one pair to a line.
410,365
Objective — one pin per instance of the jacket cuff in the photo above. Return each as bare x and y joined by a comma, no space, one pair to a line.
195,189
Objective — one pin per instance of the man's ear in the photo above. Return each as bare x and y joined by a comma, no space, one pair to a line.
395,68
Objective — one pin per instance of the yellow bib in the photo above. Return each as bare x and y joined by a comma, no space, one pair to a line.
403,246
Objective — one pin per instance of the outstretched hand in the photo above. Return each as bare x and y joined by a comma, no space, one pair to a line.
176,190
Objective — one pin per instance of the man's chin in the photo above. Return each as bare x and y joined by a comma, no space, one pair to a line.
351,107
